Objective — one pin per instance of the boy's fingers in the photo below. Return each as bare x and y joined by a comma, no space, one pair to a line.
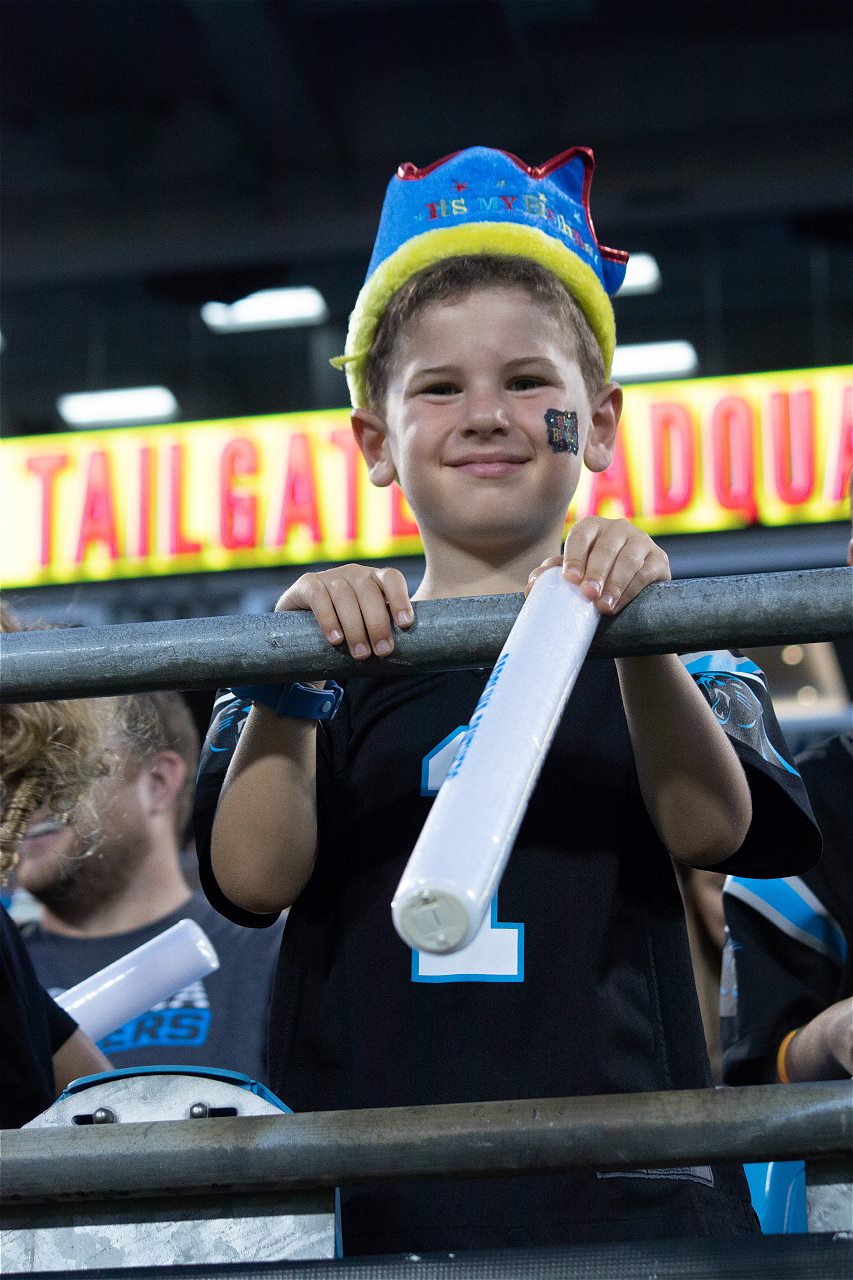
655,568
608,547
631,590
395,589
627,563
352,602
374,611
348,610
581,539
552,562
316,598
296,595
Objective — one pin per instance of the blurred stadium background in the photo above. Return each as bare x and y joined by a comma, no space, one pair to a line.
158,155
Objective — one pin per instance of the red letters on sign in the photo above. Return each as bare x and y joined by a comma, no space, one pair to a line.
46,467
733,455
179,543
792,433
346,442
299,502
612,485
673,459
97,519
403,524
147,486
238,511
839,476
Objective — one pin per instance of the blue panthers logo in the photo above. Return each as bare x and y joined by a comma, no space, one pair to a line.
740,712
226,728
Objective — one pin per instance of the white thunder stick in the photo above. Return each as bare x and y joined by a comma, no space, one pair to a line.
460,856
136,982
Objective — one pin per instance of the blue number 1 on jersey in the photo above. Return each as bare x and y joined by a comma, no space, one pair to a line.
497,952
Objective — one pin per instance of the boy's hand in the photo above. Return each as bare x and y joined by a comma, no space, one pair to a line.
611,560
355,603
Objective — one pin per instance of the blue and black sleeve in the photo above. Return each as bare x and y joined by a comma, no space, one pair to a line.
783,838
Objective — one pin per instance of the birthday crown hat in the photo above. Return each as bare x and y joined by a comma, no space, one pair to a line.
482,200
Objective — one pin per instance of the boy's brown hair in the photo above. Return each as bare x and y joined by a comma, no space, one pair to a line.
453,279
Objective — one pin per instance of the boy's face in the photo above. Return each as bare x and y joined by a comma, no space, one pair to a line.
465,420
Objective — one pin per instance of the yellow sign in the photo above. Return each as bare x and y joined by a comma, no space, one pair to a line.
710,454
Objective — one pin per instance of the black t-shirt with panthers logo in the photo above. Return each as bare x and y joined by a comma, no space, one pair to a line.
220,1020
579,981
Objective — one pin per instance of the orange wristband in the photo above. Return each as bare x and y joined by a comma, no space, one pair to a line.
781,1070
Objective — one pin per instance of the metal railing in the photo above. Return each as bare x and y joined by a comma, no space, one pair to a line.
102,1167
328,1148
200,653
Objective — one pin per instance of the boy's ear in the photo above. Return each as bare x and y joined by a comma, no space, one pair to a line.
606,411
371,435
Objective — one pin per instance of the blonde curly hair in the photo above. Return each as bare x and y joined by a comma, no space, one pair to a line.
50,752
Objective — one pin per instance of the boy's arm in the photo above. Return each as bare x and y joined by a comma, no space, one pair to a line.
701,783
692,782
264,834
256,797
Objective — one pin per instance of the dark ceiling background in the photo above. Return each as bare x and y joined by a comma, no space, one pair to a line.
160,153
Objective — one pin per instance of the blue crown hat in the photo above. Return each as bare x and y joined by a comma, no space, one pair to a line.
482,200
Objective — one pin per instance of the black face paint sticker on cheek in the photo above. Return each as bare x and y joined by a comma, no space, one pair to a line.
562,430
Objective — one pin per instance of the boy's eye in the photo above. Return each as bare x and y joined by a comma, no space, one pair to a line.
439,389
525,383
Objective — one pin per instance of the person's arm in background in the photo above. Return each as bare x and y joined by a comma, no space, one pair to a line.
702,894
783,973
73,1053
791,996
78,1056
820,1050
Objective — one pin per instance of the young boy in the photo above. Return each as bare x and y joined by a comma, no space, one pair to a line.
478,361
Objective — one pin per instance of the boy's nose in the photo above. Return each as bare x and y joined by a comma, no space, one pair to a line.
487,413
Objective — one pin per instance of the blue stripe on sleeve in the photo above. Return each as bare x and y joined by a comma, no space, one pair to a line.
791,906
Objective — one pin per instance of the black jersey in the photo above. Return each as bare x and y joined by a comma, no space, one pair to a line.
33,1028
789,951
579,982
